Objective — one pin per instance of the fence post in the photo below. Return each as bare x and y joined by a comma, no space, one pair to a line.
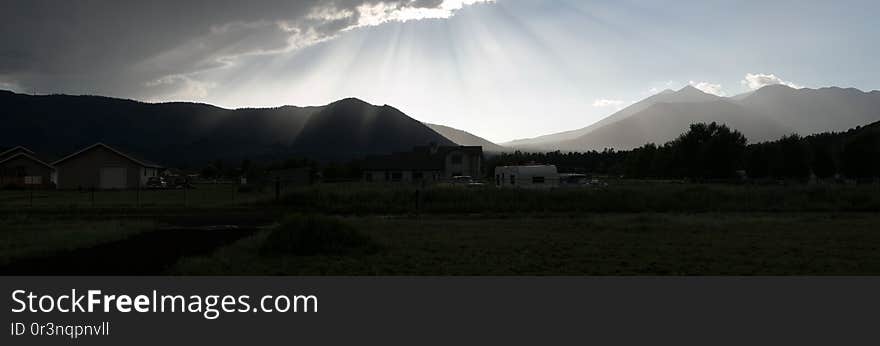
418,201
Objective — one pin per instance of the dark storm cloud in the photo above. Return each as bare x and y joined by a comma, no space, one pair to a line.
124,47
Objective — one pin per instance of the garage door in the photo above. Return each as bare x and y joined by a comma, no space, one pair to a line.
113,178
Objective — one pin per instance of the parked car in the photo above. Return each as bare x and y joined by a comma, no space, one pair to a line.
599,183
466,181
461,180
157,183
180,182
573,180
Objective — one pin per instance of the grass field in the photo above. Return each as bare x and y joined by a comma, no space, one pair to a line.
26,236
592,244
629,228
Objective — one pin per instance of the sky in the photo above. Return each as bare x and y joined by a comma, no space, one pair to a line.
501,69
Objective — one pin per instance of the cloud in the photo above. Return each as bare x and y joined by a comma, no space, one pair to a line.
9,85
179,87
660,87
709,88
381,12
755,81
604,103
128,48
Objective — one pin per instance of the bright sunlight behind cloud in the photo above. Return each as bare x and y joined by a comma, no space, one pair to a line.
709,88
757,81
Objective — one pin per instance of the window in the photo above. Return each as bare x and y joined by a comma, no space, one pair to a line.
538,180
512,179
456,159
33,180
396,176
418,175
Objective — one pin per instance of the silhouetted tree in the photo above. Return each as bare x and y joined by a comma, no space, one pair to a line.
826,152
861,155
791,158
758,159
709,151
640,162
715,151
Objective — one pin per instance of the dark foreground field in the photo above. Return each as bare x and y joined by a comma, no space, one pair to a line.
642,229
593,244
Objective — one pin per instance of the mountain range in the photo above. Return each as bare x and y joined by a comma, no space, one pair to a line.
765,114
190,133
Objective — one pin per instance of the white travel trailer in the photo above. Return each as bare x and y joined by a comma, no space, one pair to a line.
530,177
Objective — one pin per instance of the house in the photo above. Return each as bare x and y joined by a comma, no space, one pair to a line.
430,163
20,167
6,153
100,166
535,177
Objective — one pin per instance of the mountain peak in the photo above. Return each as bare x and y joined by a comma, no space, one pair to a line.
776,87
690,89
351,101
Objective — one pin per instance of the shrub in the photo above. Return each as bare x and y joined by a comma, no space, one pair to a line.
316,235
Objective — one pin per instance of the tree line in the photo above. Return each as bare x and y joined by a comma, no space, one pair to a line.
714,151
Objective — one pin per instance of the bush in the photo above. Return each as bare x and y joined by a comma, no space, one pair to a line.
316,235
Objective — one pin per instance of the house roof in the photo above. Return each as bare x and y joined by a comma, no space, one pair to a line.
13,150
424,158
130,157
28,156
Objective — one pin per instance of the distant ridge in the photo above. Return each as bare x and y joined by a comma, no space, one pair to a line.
688,94
192,133
465,138
764,114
